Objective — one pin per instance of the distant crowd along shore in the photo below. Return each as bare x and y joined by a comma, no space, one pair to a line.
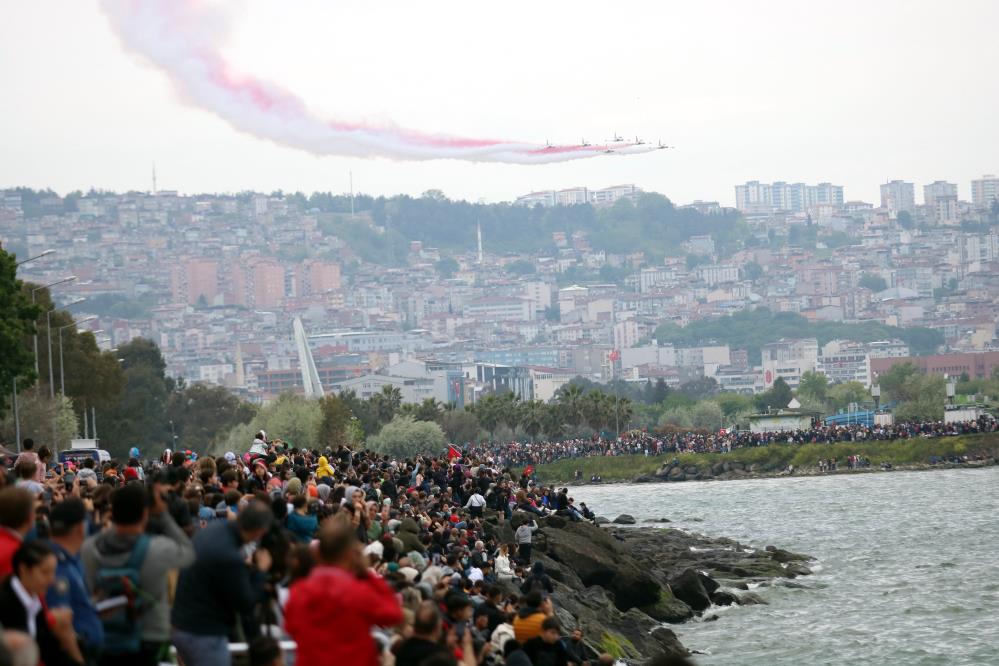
654,444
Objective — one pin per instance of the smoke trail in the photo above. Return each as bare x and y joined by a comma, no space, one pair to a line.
182,37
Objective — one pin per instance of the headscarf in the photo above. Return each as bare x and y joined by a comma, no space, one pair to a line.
294,486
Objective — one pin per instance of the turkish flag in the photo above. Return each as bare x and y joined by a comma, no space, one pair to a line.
452,452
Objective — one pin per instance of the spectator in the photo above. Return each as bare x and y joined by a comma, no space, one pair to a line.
27,453
220,586
22,608
114,548
17,516
341,593
426,639
547,649
532,614
525,537
27,477
300,522
68,525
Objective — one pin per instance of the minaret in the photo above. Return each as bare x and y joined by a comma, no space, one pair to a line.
478,233
154,179
240,370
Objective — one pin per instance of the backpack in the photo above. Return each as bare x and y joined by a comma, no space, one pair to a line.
120,601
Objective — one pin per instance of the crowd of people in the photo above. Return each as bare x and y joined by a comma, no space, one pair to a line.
355,557
685,441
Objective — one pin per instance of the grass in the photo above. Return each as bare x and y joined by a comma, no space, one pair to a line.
776,457
617,646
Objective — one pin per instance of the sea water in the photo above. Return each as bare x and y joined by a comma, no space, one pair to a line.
906,570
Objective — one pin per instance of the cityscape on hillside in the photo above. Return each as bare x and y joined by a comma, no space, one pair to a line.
216,280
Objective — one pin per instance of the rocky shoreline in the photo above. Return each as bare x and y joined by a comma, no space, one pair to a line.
622,584
734,470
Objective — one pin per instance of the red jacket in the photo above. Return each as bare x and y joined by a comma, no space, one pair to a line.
10,541
330,615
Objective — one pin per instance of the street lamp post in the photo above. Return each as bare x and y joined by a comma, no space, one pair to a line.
17,415
48,330
33,292
44,253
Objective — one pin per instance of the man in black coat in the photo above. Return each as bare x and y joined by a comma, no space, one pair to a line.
221,586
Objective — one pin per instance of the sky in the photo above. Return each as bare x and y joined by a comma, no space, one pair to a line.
851,92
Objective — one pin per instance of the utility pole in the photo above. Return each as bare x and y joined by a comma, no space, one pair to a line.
17,417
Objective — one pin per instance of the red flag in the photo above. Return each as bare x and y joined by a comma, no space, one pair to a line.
529,470
452,452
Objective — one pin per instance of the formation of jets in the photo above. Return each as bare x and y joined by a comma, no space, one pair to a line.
583,143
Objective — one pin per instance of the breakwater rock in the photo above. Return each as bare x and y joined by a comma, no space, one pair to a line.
621,584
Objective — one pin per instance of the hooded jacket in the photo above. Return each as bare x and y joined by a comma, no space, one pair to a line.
409,534
173,550
332,597
324,469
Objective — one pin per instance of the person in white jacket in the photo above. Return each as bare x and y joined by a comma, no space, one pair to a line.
504,570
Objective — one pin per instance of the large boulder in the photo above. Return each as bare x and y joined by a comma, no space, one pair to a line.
676,474
750,599
723,598
709,583
688,588
598,559
668,609
625,519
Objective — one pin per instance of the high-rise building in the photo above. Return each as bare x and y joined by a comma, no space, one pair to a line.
195,279
938,188
898,196
984,191
756,197
267,279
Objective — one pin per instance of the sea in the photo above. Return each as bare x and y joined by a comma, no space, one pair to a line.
906,570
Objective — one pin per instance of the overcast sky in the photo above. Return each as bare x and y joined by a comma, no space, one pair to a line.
852,92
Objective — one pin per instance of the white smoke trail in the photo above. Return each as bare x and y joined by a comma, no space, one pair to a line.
183,37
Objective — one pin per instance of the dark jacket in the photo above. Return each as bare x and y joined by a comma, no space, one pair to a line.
538,579
218,586
409,534
14,616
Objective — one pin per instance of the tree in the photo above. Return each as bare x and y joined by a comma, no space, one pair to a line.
139,417
734,405
333,429
920,396
813,386
386,403
702,387
752,271
532,417
777,397
873,282
520,267
842,395
292,418
45,419
428,410
570,397
594,408
201,414
403,437
460,427
553,423
905,220
17,324
447,267
487,411
707,415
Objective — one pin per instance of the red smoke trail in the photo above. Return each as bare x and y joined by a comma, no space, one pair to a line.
182,37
